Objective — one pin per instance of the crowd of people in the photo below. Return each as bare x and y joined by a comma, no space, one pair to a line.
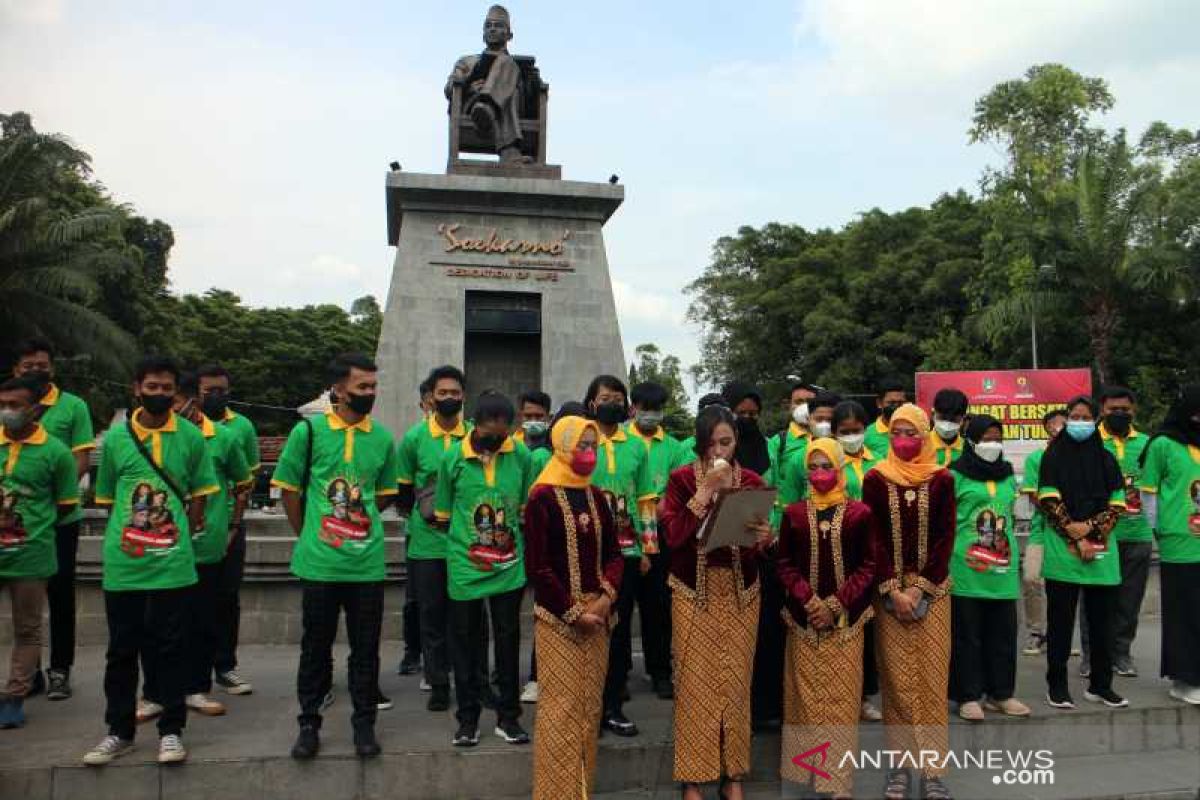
889,564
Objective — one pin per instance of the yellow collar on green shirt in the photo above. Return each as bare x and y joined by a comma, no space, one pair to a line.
796,432
51,396
437,431
659,434
336,423
142,431
37,437
1104,434
469,451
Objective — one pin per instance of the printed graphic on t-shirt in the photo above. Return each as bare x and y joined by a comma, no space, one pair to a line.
1133,496
619,506
151,528
347,520
495,547
990,552
12,526
1194,517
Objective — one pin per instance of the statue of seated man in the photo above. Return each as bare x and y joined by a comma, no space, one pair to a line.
491,84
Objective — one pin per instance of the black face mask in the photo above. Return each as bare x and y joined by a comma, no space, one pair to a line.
448,407
1118,423
747,427
157,404
214,406
611,413
487,442
43,380
890,409
360,403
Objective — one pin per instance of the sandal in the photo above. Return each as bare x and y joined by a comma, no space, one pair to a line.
897,785
934,789
726,782
684,787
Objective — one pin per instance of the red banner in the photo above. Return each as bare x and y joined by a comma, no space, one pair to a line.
1018,398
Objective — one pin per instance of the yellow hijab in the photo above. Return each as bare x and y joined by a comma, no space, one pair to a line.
564,437
833,451
921,468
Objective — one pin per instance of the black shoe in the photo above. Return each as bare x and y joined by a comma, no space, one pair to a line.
1059,698
382,702
511,731
39,684
409,665
467,735
365,743
308,743
439,699
60,684
619,724
1108,697
664,688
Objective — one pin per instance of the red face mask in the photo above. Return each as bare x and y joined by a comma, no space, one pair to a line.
823,480
583,462
906,448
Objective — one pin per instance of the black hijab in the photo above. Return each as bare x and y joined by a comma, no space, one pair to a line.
1178,424
751,450
1084,472
969,464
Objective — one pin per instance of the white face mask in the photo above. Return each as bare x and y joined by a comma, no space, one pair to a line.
989,451
822,429
852,443
800,415
947,429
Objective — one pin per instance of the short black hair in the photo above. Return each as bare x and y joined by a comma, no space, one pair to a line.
650,396
424,388
950,402
339,368
446,372
710,399
212,370
492,405
808,387
849,409
34,344
25,384
707,421
1049,415
1117,393
152,364
891,383
824,399
189,384
737,391
571,408
537,397
599,382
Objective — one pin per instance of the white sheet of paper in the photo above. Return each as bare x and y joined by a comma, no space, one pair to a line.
727,526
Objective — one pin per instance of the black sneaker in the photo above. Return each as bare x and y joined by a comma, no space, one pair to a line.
1059,698
1108,697
439,699
60,684
382,702
1126,669
38,686
664,688
365,743
511,731
619,724
467,735
308,743
409,665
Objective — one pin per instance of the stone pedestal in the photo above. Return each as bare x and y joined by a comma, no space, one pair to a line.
505,277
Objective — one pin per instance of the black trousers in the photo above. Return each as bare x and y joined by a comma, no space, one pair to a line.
205,630
1180,622
1099,610
620,649
227,601
654,606
322,606
60,597
870,670
152,625
983,653
428,580
467,623
766,688
412,618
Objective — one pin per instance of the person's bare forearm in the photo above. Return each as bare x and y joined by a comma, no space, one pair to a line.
195,513
291,507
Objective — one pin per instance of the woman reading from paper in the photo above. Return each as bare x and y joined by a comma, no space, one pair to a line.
826,554
715,602
574,564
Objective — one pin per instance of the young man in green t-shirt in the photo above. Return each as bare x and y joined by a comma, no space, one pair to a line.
337,473
38,487
482,484
156,475
410,660
214,397
419,457
66,418
1033,586
889,396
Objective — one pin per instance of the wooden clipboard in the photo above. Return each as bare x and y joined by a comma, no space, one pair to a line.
733,509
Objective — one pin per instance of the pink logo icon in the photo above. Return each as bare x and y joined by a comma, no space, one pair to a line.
823,751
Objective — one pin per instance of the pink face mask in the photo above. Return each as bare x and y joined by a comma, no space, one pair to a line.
583,462
906,448
823,480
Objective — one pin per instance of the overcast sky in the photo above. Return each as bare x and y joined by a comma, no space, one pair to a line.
262,131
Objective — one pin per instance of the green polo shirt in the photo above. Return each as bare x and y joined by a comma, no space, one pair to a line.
1132,526
66,418
420,456
878,440
623,477
664,455
37,477
352,465
856,470
788,472
945,453
229,464
147,542
483,504
1062,564
538,459
1173,473
985,562
246,437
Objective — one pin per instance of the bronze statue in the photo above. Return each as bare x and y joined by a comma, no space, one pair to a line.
491,83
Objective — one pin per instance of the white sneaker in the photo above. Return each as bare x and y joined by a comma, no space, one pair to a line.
233,683
425,687
203,704
147,710
110,747
530,693
1186,693
171,750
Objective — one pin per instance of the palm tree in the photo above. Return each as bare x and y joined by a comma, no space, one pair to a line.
54,245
